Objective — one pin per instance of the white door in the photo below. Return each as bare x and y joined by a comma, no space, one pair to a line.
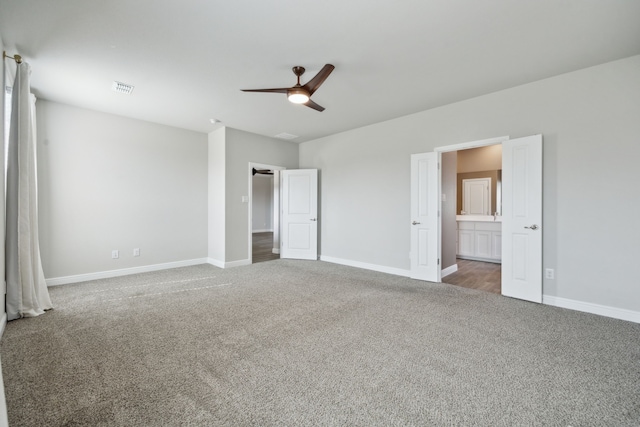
522,218
299,222
425,222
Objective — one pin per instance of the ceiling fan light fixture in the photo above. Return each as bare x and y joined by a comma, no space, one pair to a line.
298,95
301,94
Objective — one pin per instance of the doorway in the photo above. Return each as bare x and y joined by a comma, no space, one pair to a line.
517,238
471,221
264,212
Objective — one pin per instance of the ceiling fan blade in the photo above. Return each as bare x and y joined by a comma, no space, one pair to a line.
313,84
277,90
313,105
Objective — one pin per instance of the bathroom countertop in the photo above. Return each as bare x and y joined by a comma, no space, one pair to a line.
478,218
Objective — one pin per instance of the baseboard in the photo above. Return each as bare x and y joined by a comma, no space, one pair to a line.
4,421
266,230
215,262
123,272
475,258
230,264
238,263
275,251
367,266
3,323
587,307
449,270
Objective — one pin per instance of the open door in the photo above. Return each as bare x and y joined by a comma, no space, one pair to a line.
522,218
299,222
425,222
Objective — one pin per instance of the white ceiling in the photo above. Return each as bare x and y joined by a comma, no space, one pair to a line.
188,59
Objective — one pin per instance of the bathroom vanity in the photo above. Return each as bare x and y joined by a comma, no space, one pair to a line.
479,237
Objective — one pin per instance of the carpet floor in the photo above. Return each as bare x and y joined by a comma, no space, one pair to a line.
302,343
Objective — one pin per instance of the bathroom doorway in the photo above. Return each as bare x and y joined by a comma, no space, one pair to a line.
471,244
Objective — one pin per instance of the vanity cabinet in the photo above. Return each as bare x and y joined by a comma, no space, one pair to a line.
480,240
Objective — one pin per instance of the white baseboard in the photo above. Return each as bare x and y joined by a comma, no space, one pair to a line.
123,272
587,307
222,264
266,230
215,262
4,420
3,323
275,251
367,266
238,263
449,270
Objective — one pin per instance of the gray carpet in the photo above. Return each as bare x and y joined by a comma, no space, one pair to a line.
297,343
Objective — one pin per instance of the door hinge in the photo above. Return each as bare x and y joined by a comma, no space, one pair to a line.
438,261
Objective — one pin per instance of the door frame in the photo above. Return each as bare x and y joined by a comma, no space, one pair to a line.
250,202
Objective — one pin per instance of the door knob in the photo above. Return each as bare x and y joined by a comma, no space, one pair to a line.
415,223
533,227
312,219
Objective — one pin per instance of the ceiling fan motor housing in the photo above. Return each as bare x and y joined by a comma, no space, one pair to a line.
298,95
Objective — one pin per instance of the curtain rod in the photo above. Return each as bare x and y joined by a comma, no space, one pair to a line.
16,57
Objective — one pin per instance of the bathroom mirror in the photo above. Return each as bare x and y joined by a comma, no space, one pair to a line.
494,192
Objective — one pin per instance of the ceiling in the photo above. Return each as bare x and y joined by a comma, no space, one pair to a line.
188,60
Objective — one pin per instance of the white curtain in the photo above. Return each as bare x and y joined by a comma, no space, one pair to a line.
27,294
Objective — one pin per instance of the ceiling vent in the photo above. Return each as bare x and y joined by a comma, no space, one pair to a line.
122,88
285,135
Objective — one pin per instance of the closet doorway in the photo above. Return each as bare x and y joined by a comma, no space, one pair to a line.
264,212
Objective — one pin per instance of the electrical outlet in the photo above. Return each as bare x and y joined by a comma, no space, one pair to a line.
115,254
549,273
136,251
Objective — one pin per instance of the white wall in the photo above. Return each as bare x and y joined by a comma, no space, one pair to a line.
216,198
262,203
591,129
108,182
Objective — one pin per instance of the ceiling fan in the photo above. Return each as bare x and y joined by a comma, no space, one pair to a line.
301,94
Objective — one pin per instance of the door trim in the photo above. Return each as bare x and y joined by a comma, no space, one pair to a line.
472,144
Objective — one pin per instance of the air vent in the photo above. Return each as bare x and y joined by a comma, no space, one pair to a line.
285,135
122,88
